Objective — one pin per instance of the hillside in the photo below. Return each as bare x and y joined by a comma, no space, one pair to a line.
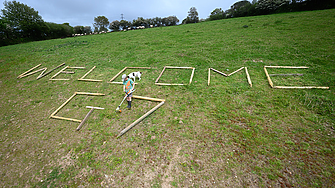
227,134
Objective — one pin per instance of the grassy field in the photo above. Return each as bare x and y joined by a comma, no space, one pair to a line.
227,134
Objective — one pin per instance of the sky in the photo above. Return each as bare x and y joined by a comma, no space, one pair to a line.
82,12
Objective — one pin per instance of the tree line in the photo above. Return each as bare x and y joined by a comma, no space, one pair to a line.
146,23
20,23
102,23
262,7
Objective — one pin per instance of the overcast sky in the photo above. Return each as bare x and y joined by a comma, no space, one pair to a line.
82,12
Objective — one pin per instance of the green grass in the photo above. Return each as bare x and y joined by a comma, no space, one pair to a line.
225,135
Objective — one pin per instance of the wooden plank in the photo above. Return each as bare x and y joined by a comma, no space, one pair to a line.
160,75
93,94
67,72
192,75
84,120
63,104
29,70
42,75
89,80
218,72
63,118
148,98
99,108
286,74
171,67
209,76
166,84
43,69
268,77
77,67
88,72
287,67
59,72
116,82
119,83
140,119
139,67
301,87
248,76
64,79
118,74
235,71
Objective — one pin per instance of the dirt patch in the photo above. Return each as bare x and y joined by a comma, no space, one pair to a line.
67,160
167,178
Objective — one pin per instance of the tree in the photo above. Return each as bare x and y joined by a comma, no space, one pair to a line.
5,32
25,21
240,9
139,22
69,29
217,14
150,21
173,20
124,24
100,23
193,15
58,30
268,6
164,21
170,21
87,29
114,25
186,20
79,29
157,21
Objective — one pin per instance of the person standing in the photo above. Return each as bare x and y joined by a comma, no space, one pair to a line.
128,86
